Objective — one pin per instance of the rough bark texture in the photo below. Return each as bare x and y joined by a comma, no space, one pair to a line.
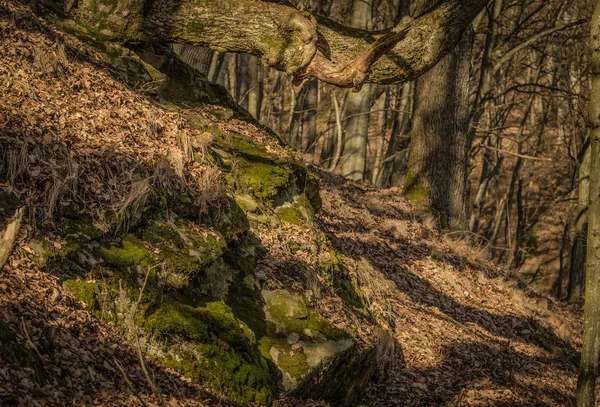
591,324
437,173
284,37
577,267
9,236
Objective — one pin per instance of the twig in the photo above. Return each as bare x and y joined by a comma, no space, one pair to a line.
29,341
526,157
128,381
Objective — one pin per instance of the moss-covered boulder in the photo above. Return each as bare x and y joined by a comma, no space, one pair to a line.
298,339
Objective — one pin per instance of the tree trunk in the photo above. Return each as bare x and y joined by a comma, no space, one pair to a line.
358,106
591,320
438,160
577,267
254,87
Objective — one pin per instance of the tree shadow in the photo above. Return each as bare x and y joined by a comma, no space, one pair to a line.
477,373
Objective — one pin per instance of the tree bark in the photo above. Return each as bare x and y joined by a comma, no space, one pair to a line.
285,38
591,321
9,236
577,266
438,160
358,106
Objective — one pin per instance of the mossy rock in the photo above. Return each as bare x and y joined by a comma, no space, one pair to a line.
341,379
228,219
298,339
299,211
183,247
211,346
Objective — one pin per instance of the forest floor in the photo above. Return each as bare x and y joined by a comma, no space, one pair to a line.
465,333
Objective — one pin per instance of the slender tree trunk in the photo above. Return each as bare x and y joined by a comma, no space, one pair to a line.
254,87
438,162
381,148
577,267
243,79
396,161
309,118
358,105
591,321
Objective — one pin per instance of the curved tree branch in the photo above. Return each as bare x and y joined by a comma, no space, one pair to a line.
285,38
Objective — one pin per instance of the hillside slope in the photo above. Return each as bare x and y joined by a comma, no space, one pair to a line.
163,222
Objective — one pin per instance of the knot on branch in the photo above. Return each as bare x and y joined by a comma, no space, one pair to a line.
295,44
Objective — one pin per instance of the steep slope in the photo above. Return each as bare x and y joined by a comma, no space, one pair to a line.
150,197
163,222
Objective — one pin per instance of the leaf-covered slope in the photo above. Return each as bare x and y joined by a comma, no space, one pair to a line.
467,333
138,173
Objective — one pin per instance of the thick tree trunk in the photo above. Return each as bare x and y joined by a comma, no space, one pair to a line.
285,38
438,161
591,321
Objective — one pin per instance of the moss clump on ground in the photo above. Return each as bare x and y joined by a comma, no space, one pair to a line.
86,292
290,214
132,252
243,145
351,294
82,226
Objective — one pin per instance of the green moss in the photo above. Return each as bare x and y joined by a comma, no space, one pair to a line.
132,252
218,367
351,294
243,145
222,353
290,214
85,291
299,212
415,191
293,363
82,226
290,314
199,123
262,179
176,319
182,247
